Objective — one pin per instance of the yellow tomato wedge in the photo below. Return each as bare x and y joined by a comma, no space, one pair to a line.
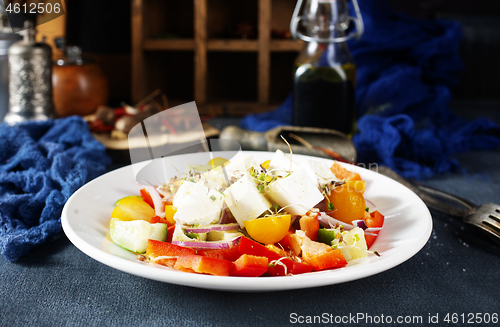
268,230
133,208
170,211
359,186
349,204
266,164
216,163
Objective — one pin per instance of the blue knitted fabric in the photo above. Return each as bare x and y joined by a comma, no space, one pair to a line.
41,165
405,69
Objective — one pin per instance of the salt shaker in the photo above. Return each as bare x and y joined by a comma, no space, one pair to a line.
30,79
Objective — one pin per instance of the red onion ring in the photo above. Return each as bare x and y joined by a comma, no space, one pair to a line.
204,245
328,221
158,203
210,228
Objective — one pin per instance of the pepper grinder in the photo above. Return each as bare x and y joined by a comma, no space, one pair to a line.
30,79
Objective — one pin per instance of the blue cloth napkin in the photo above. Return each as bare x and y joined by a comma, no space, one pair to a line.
41,165
405,70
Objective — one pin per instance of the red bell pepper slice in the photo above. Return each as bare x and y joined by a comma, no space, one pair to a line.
285,242
250,266
230,254
158,219
374,220
147,198
158,248
327,260
292,267
247,246
204,265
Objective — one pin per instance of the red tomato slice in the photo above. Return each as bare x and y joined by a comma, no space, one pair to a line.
204,265
250,266
147,198
373,220
170,233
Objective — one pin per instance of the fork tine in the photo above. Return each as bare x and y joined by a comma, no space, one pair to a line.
487,218
493,220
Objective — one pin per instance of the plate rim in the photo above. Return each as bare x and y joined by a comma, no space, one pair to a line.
243,284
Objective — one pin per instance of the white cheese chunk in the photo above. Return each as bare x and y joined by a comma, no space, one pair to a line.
281,162
182,192
240,163
244,200
220,176
200,205
297,192
322,173
280,165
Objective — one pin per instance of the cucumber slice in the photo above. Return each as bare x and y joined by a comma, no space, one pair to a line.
355,244
133,235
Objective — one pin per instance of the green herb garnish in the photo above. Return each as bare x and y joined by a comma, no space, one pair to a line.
193,235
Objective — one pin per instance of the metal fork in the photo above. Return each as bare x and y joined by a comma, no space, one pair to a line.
486,217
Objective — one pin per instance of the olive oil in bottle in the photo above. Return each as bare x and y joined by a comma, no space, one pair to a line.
325,73
324,97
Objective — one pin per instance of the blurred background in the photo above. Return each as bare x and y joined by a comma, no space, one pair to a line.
226,65
143,45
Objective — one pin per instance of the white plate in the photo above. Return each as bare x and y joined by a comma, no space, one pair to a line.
407,228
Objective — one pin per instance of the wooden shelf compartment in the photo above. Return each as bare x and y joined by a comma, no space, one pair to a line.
220,45
208,20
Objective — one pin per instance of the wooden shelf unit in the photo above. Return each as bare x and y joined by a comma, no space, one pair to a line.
201,44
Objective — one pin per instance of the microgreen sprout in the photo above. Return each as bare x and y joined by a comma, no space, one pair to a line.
289,148
278,262
161,257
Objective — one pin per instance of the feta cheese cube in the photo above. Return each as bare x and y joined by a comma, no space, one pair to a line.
182,192
244,200
281,162
220,176
297,192
321,172
241,162
199,205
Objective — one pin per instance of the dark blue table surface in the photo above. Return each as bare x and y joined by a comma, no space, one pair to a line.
457,272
